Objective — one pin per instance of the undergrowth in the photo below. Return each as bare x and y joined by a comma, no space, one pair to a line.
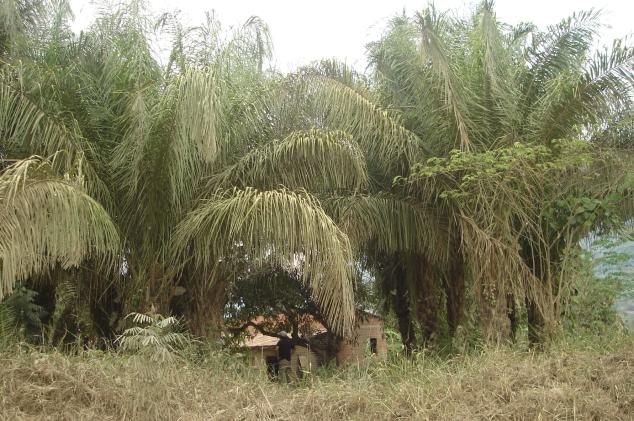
156,371
573,380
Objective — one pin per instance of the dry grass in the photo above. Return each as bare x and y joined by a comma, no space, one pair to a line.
575,383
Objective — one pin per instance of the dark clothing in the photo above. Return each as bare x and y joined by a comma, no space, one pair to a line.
285,348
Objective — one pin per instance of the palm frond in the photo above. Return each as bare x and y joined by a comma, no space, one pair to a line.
381,135
24,125
496,90
607,85
562,47
408,87
492,40
316,160
259,34
289,228
47,221
390,224
435,54
170,139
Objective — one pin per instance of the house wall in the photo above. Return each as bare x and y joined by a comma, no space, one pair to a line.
259,354
309,359
355,349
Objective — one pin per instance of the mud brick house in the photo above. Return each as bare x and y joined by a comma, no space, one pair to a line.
322,346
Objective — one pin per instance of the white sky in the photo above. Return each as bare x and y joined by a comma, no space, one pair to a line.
304,31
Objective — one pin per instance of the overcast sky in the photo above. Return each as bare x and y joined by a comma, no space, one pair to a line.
304,31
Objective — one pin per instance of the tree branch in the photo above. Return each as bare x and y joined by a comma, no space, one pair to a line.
236,330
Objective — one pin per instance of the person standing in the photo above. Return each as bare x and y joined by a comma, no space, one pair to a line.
284,354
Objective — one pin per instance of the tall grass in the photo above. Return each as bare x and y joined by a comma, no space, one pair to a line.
574,380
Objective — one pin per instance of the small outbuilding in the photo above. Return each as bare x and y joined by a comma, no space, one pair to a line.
368,339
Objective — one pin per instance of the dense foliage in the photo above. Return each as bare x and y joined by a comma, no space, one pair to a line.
459,174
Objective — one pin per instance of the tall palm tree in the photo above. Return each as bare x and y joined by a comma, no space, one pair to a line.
390,231
490,90
188,162
465,114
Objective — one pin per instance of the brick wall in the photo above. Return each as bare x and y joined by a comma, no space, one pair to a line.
357,348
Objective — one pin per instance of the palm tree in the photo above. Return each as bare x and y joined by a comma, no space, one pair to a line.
188,162
391,232
500,94
444,171
464,115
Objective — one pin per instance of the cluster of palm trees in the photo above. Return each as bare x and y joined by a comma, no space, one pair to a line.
459,171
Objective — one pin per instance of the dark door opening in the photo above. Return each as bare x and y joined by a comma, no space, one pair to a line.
373,346
272,367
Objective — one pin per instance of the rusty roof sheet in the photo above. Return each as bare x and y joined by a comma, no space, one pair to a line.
261,340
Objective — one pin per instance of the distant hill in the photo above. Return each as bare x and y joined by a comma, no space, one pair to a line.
615,258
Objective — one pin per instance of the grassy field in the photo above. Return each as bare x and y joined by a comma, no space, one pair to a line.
591,380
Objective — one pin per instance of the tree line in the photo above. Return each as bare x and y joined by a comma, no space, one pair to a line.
460,171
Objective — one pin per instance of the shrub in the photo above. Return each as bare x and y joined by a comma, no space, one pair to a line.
156,336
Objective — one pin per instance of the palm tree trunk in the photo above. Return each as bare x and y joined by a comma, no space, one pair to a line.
513,316
455,291
398,294
494,317
428,299
536,324
405,323
536,319
105,310
159,289
204,314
